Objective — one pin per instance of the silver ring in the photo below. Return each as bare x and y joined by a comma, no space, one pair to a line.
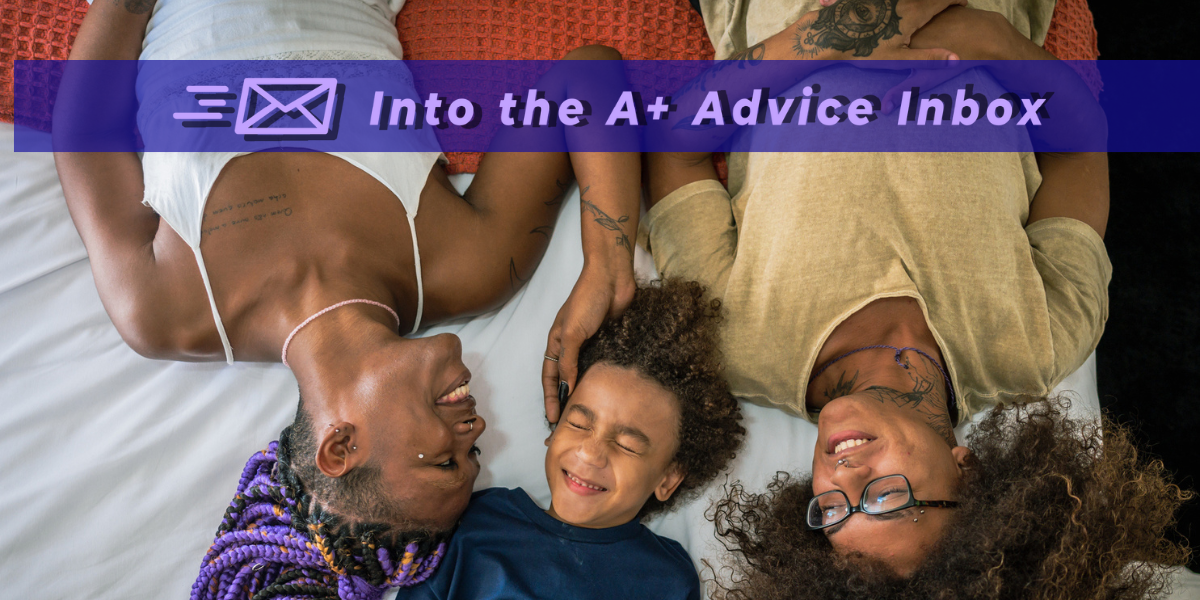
472,425
842,462
548,357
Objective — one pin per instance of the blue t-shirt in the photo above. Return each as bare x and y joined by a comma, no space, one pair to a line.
508,547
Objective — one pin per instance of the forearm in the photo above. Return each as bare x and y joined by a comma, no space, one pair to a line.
1074,185
97,185
609,202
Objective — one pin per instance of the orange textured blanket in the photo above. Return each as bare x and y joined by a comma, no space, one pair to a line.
485,30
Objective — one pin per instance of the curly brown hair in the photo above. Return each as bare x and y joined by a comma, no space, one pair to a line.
1047,512
669,334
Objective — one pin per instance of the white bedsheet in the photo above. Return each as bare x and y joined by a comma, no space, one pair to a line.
115,469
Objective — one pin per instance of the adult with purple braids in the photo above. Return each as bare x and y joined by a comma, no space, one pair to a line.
380,462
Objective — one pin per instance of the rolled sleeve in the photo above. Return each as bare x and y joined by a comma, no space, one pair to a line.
1071,259
692,234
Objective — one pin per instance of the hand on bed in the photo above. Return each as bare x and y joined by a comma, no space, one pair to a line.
600,293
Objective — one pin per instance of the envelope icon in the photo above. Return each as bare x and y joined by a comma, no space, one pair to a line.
275,109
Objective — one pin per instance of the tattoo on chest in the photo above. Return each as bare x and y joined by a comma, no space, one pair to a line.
245,214
849,25
602,219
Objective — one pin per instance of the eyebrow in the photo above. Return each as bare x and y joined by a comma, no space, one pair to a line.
587,413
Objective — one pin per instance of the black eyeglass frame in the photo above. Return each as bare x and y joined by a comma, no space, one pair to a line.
912,501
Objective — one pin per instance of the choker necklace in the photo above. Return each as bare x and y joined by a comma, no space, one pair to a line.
291,335
951,405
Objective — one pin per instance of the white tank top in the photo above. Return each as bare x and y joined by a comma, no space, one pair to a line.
177,183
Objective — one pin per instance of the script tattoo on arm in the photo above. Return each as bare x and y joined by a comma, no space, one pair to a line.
849,25
604,220
746,58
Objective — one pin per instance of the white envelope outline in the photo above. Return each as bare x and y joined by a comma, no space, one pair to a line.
245,125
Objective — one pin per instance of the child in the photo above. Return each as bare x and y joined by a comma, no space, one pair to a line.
650,420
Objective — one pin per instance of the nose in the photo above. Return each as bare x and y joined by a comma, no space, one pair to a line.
592,452
451,343
851,477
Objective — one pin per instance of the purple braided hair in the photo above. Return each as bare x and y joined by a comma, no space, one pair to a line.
270,545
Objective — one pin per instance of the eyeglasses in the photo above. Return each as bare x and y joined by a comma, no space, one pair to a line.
881,496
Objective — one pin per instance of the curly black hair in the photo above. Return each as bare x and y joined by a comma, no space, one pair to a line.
1047,511
669,334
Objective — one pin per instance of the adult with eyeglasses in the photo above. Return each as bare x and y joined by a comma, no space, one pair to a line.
893,296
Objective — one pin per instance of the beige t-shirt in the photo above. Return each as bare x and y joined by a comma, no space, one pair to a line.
807,239
812,238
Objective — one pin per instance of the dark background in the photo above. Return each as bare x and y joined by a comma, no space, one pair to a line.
1148,362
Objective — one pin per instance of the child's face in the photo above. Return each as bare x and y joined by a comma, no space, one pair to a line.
612,449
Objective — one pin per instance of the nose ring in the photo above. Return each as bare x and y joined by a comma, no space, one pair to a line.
472,424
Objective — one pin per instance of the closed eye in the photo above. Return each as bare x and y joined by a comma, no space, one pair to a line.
577,426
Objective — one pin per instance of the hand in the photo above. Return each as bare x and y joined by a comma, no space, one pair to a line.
599,293
874,29
972,35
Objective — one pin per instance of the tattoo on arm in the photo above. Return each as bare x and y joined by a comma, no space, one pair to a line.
545,230
849,25
137,7
513,278
562,192
746,58
604,220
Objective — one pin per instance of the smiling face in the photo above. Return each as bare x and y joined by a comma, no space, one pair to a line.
612,449
419,425
875,439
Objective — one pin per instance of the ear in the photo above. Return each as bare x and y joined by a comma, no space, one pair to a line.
670,482
338,452
962,456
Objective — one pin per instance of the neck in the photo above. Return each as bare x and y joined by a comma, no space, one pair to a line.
336,354
916,384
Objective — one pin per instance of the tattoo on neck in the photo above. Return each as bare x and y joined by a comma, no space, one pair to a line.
927,396
604,220
849,25
842,387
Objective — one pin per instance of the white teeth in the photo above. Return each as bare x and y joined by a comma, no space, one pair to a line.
593,487
458,393
849,444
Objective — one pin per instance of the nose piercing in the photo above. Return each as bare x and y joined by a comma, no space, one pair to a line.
472,424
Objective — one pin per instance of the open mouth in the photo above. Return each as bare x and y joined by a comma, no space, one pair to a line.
582,486
456,395
847,440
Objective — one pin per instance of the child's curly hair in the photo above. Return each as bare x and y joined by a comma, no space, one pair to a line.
669,334
1050,511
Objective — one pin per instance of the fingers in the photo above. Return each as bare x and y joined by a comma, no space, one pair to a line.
568,361
925,79
550,387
